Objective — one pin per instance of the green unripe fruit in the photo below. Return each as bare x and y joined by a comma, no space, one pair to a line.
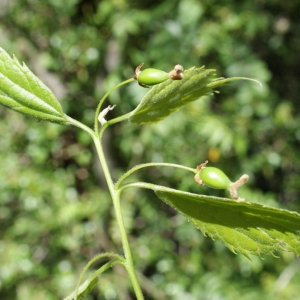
214,178
152,76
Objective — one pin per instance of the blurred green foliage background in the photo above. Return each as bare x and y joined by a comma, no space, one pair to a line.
54,217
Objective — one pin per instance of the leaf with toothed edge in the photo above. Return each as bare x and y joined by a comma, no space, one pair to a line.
23,92
169,96
244,227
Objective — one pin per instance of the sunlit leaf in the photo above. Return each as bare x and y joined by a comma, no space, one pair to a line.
169,96
244,227
22,91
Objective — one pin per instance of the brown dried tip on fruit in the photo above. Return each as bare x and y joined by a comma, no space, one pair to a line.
235,185
176,73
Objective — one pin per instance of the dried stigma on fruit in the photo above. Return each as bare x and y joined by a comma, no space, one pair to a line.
149,77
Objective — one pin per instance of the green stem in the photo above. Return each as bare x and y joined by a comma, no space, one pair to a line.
105,267
80,125
127,252
145,185
97,138
138,167
103,99
119,119
116,202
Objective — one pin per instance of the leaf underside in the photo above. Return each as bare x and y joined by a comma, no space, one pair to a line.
169,96
244,227
22,91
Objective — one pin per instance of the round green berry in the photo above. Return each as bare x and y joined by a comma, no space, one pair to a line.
214,178
152,76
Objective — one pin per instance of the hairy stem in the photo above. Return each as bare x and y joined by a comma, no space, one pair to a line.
145,185
128,262
158,164
120,119
80,125
116,202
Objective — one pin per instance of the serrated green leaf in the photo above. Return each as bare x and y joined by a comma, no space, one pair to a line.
169,96
244,227
28,111
22,91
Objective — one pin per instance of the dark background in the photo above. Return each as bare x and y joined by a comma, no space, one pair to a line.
54,217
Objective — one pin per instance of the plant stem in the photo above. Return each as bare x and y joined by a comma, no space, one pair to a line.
119,119
116,202
97,138
146,185
80,125
153,164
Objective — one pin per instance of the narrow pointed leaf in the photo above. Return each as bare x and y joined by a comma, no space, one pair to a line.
22,91
169,96
84,289
89,284
244,227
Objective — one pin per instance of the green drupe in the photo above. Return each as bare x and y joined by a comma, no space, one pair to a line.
214,178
